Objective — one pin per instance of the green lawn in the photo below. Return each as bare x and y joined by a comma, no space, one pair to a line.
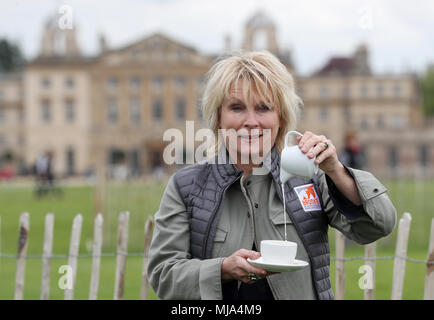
106,284
414,273
142,200
417,198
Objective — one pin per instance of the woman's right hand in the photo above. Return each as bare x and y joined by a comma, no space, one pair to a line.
236,266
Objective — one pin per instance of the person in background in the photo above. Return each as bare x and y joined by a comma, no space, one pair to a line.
41,167
352,155
50,173
45,178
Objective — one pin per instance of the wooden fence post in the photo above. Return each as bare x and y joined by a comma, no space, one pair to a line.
46,256
340,265
429,277
96,252
121,255
400,256
73,253
99,189
21,259
148,237
370,255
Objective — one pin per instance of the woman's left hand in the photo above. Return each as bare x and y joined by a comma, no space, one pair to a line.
323,149
327,159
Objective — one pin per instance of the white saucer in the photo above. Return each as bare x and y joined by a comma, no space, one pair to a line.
273,267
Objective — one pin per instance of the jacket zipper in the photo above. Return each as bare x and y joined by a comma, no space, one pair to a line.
275,295
208,228
302,240
249,202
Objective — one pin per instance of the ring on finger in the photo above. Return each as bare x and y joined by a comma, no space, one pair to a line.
325,144
253,276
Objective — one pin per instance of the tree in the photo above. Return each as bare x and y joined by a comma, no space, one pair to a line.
10,56
428,92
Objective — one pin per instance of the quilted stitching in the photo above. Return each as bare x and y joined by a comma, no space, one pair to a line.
202,185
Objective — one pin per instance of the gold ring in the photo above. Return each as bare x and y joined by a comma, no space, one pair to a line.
326,145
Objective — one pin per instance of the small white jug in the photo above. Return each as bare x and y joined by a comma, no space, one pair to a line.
293,162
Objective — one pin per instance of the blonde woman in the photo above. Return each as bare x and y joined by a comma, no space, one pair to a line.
214,214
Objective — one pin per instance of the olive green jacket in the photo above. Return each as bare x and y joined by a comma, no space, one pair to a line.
174,274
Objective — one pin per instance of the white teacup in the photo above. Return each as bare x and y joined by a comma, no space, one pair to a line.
293,162
278,252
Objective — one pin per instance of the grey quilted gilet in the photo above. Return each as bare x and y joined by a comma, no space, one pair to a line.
202,187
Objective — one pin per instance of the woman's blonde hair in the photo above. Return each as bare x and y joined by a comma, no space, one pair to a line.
265,76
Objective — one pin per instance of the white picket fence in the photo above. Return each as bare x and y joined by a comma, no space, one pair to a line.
400,259
370,258
73,255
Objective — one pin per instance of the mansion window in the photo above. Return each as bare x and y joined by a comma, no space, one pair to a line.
69,111
70,161
180,109
180,54
380,91
157,110
21,116
323,114
380,122
45,111
115,156
135,54
347,113
364,124
397,90
346,92
423,155
45,83
134,161
157,83
260,40
179,83
397,122
393,157
112,83
135,83
112,111
21,140
323,92
363,91
155,43
135,111
69,82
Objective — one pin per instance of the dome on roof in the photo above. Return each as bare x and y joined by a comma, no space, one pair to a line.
57,40
260,19
52,21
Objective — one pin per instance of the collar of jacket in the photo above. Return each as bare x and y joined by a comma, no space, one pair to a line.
226,172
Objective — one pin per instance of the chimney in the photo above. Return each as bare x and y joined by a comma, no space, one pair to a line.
102,43
361,58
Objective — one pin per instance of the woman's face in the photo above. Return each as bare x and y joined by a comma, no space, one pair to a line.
255,126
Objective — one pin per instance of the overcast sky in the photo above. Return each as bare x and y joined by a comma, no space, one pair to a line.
400,34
